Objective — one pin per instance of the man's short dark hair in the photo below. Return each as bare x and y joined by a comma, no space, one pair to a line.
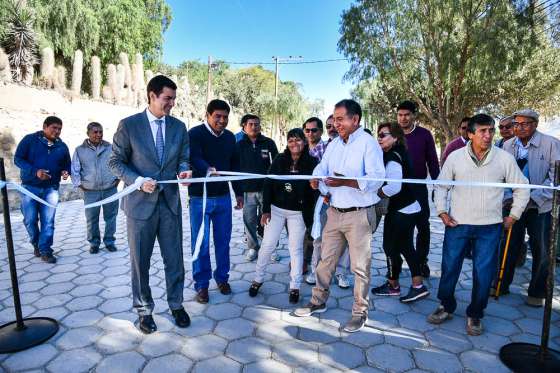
248,117
351,106
330,117
52,120
93,125
157,83
408,105
217,105
316,120
465,119
481,120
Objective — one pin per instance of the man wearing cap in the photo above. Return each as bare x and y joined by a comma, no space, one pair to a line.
506,130
535,154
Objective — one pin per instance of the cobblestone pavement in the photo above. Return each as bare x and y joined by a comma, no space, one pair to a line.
90,296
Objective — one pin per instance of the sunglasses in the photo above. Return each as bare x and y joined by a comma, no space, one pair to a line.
312,130
382,135
463,128
329,126
505,126
522,124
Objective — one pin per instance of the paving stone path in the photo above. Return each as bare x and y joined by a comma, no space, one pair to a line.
90,296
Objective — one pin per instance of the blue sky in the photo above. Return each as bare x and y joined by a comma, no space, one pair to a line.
256,30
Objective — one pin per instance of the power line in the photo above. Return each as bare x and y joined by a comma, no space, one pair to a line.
285,62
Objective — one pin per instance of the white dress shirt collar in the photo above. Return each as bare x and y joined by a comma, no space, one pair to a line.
211,130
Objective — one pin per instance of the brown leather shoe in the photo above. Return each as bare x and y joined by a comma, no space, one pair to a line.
224,287
202,296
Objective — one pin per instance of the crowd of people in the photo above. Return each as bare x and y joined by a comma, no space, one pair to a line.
329,216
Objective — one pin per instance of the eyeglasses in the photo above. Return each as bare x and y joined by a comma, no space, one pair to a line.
312,130
463,128
523,124
505,126
329,126
381,135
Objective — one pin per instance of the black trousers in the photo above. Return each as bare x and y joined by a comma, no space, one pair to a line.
422,223
398,234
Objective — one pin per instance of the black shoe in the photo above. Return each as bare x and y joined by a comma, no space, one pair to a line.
468,254
93,249
49,258
254,289
294,296
224,287
182,319
425,270
415,294
386,290
202,296
146,324
36,251
111,248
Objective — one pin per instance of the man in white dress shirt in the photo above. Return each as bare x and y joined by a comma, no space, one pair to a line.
351,217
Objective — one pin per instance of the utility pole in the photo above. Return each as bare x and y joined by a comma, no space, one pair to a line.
276,124
209,86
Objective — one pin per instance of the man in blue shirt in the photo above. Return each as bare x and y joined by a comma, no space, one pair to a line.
43,158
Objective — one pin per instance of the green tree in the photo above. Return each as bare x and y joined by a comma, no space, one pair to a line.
103,28
452,57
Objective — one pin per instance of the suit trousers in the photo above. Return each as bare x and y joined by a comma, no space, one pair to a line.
353,229
164,225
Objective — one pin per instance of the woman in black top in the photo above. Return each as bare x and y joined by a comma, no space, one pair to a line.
288,202
398,228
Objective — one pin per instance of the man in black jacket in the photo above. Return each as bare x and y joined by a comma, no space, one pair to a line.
256,153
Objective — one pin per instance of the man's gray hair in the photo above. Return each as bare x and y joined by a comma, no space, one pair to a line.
93,125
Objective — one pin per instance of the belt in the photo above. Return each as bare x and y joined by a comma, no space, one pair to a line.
350,209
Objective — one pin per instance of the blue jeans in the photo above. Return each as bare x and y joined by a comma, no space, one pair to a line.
485,240
218,211
35,212
110,211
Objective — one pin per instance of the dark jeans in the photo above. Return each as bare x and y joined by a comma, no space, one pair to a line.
398,234
35,212
485,240
110,211
218,211
422,223
538,229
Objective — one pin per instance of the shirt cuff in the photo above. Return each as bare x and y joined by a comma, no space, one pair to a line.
136,180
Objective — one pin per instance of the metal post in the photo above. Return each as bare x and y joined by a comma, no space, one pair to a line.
10,248
551,263
23,333
527,357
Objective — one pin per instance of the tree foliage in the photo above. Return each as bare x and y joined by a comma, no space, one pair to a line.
453,57
103,28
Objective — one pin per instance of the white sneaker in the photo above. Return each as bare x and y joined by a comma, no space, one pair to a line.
310,278
342,281
251,255
275,257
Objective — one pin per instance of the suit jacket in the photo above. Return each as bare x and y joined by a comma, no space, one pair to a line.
134,154
544,151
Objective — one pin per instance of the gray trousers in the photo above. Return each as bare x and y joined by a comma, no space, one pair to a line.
252,210
110,211
142,234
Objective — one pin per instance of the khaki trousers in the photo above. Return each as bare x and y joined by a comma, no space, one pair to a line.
355,230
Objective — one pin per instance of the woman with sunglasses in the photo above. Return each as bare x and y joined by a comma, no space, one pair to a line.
398,229
288,202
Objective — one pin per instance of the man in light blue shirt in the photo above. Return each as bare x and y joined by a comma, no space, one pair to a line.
351,217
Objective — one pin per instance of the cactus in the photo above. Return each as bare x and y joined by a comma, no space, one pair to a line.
120,83
149,75
77,68
95,77
47,67
5,71
140,72
112,81
60,81
123,58
107,93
